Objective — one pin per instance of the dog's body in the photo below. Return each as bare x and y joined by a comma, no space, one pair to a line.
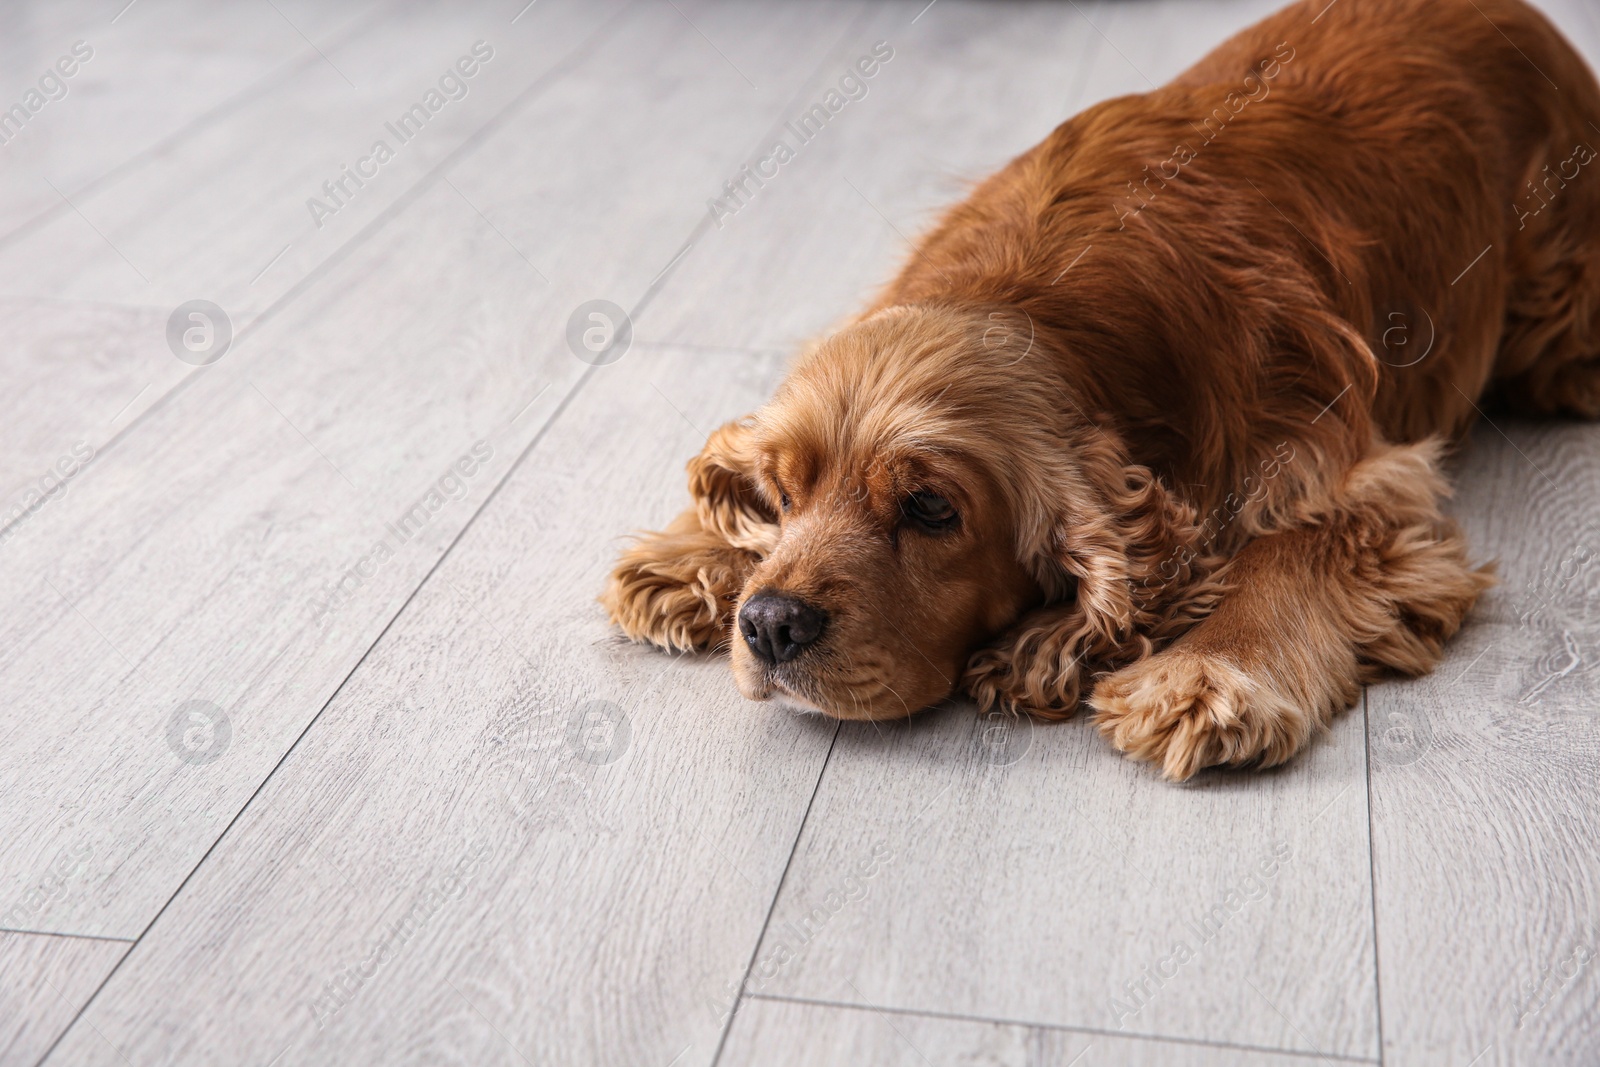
1162,401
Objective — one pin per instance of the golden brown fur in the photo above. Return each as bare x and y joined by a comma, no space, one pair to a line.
1152,366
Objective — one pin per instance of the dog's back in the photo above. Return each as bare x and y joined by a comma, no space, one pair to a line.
1447,129
1410,180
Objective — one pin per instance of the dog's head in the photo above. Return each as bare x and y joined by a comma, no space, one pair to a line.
918,483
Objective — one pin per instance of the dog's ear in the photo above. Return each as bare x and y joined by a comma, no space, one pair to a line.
1125,541
1129,544
1121,563
727,497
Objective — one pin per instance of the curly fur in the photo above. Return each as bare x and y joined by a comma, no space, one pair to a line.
1155,385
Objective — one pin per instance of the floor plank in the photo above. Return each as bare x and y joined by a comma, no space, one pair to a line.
596,895
118,107
781,1033
1040,878
192,561
934,120
222,213
76,376
44,980
1484,810
87,369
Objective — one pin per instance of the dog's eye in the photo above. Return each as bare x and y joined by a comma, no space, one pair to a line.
929,510
783,499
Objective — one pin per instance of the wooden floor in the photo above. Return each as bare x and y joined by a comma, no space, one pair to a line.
295,772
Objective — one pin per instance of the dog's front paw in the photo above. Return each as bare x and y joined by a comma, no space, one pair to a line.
677,589
1187,710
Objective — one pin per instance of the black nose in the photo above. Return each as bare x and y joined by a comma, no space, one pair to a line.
778,628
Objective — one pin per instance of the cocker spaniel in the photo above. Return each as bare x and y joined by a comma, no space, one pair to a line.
1161,405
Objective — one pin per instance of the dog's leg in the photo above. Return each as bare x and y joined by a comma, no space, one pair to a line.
1549,361
1379,580
677,588
1550,357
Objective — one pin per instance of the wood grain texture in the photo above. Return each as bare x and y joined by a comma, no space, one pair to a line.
779,1033
155,73
76,376
437,856
604,902
189,562
935,118
82,371
44,980
1038,877
222,212
1484,808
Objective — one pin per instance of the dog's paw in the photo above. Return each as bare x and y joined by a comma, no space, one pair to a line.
677,589
675,612
1189,710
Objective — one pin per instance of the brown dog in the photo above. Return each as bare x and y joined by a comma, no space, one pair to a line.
1140,407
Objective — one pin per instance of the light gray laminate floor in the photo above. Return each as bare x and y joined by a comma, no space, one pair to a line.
270,793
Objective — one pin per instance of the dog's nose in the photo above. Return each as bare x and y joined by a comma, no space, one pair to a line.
778,627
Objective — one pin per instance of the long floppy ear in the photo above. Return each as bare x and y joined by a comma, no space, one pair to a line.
1120,560
722,479
1131,545
677,588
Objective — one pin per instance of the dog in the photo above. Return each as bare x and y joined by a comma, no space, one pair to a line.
1158,411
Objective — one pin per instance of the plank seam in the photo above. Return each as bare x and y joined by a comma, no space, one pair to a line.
1372,869
270,80
58,933
777,894
516,464
1059,1027
474,140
